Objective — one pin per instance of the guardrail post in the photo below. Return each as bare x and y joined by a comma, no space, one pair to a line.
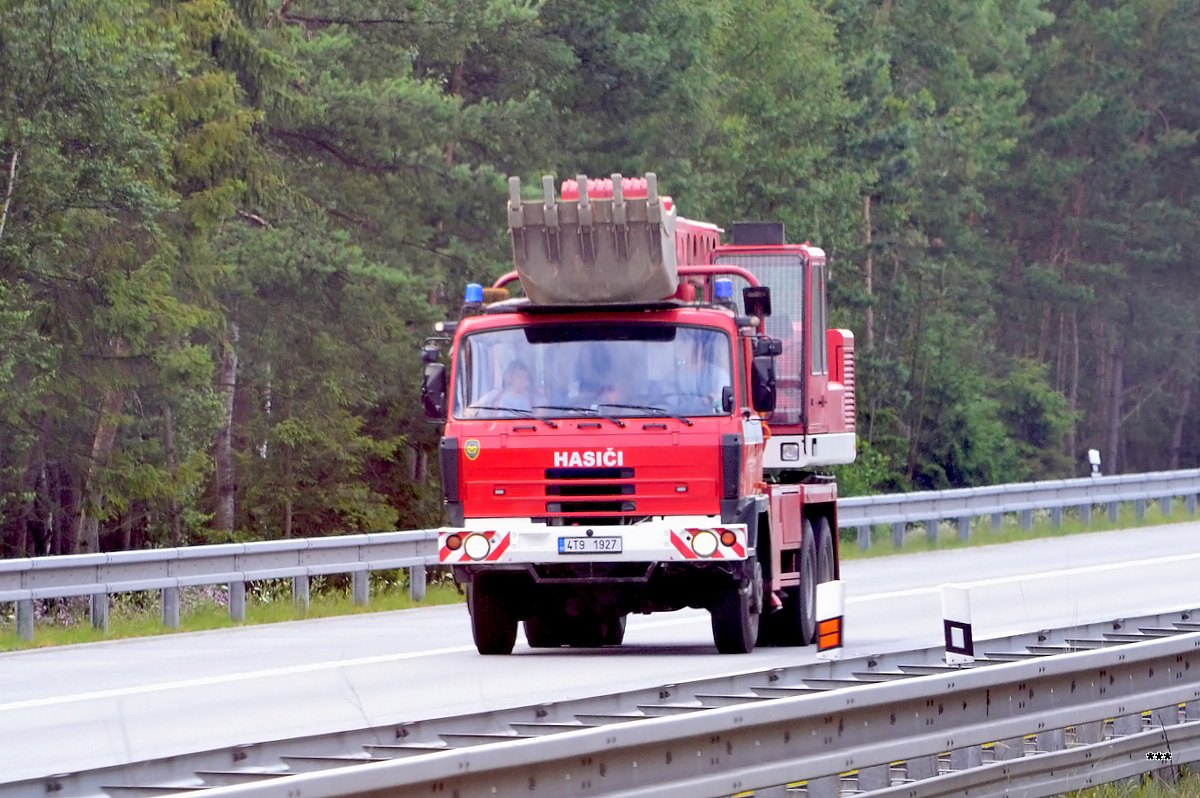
931,530
1012,748
966,758
997,521
237,601
1164,505
1139,508
99,607
864,537
25,619
1053,740
898,531
1027,520
416,582
360,587
1113,511
170,607
300,594
1190,503
876,777
1089,733
1056,516
1085,515
921,767
1127,724
822,787
964,528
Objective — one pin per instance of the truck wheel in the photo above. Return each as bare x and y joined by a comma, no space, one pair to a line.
492,621
614,630
826,564
544,631
797,620
593,631
737,612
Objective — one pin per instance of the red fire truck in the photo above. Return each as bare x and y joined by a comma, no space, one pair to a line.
632,434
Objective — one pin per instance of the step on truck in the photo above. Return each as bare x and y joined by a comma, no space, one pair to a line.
642,426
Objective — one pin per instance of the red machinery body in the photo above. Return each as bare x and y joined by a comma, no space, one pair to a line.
604,457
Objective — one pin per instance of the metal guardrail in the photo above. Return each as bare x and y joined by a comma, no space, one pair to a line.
98,575
963,505
857,734
167,570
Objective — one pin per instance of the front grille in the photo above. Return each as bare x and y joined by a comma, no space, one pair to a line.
590,507
590,490
584,483
589,473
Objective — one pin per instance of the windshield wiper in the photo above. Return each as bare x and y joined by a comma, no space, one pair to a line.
528,413
652,409
590,410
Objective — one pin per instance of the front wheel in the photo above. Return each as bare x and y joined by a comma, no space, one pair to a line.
738,611
493,623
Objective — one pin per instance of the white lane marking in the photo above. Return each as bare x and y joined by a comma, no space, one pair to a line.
233,677
319,666
1000,580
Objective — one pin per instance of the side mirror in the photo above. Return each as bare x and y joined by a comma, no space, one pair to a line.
433,391
762,383
727,399
430,353
767,347
756,300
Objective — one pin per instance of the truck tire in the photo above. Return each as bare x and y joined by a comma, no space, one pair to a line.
594,631
738,611
614,630
826,564
493,623
795,624
544,631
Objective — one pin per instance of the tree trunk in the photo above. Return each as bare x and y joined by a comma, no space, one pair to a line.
223,454
868,273
87,528
1073,388
1185,402
1117,387
173,518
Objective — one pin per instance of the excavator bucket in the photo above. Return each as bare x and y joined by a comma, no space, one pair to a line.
616,245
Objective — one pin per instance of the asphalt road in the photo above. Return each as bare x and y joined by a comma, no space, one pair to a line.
80,707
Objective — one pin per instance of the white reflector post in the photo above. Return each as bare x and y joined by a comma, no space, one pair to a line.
956,623
831,601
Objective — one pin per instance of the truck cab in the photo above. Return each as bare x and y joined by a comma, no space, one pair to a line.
604,446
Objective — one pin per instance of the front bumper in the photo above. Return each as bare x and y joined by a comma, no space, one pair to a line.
511,540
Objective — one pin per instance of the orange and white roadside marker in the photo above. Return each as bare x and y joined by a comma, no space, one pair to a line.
956,624
831,602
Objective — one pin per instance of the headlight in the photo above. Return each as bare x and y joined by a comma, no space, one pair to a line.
477,546
704,543
789,451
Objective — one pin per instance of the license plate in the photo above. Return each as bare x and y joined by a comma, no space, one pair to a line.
610,545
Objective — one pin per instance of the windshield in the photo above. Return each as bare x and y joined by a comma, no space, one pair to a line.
609,369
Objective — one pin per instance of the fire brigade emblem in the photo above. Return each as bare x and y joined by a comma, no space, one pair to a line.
471,449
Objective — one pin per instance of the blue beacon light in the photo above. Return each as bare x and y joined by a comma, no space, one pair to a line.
473,294
723,289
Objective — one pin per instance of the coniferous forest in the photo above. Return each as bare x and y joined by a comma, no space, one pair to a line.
226,225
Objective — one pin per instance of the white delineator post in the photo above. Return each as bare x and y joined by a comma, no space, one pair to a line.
831,602
956,624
